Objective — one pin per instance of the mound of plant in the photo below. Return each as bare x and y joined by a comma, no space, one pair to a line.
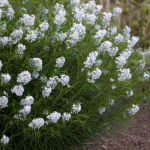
66,74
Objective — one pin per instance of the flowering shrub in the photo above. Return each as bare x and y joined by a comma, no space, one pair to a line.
65,73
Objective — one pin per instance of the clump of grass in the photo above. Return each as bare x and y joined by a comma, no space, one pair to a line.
66,74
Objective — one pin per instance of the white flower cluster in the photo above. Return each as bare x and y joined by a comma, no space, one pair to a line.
118,38
60,36
53,117
111,102
91,18
133,110
4,40
4,3
99,36
23,113
16,36
64,80
52,82
36,123
60,14
146,75
3,102
117,11
133,41
124,74
1,65
77,33
29,100
129,93
24,77
74,2
111,31
91,59
19,50
101,110
9,12
46,91
94,75
27,20
122,59
60,62
5,78
44,26
31,36
76,108
36,63
5,139
106,19
66,116
18,90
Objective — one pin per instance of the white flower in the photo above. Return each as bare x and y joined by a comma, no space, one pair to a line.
99,36
31,36
36,63
0,13
66,116
134,109
60,62
101,110
44,26
35,74
74,2
28,20
97,63
45,112
4,140
4,3
126,30
36,123
90,18
60,17
25,111
64,79
79,14
124,74
16,36
146,75
111,102
76,108
105,47
46,91
113,87
29,100
54,117
5,78
133,41
112,52
60,36
95,74
111,31
4,40
18,90
24,77
10,12
117,11
111,79
20,49
3,102
43,79
1,65
129,93
52,82
118,38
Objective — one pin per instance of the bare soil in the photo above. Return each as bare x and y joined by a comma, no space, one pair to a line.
136,137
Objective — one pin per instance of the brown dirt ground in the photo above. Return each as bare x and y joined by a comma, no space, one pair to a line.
135,137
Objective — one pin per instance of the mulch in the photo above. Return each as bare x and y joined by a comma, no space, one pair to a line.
135,137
